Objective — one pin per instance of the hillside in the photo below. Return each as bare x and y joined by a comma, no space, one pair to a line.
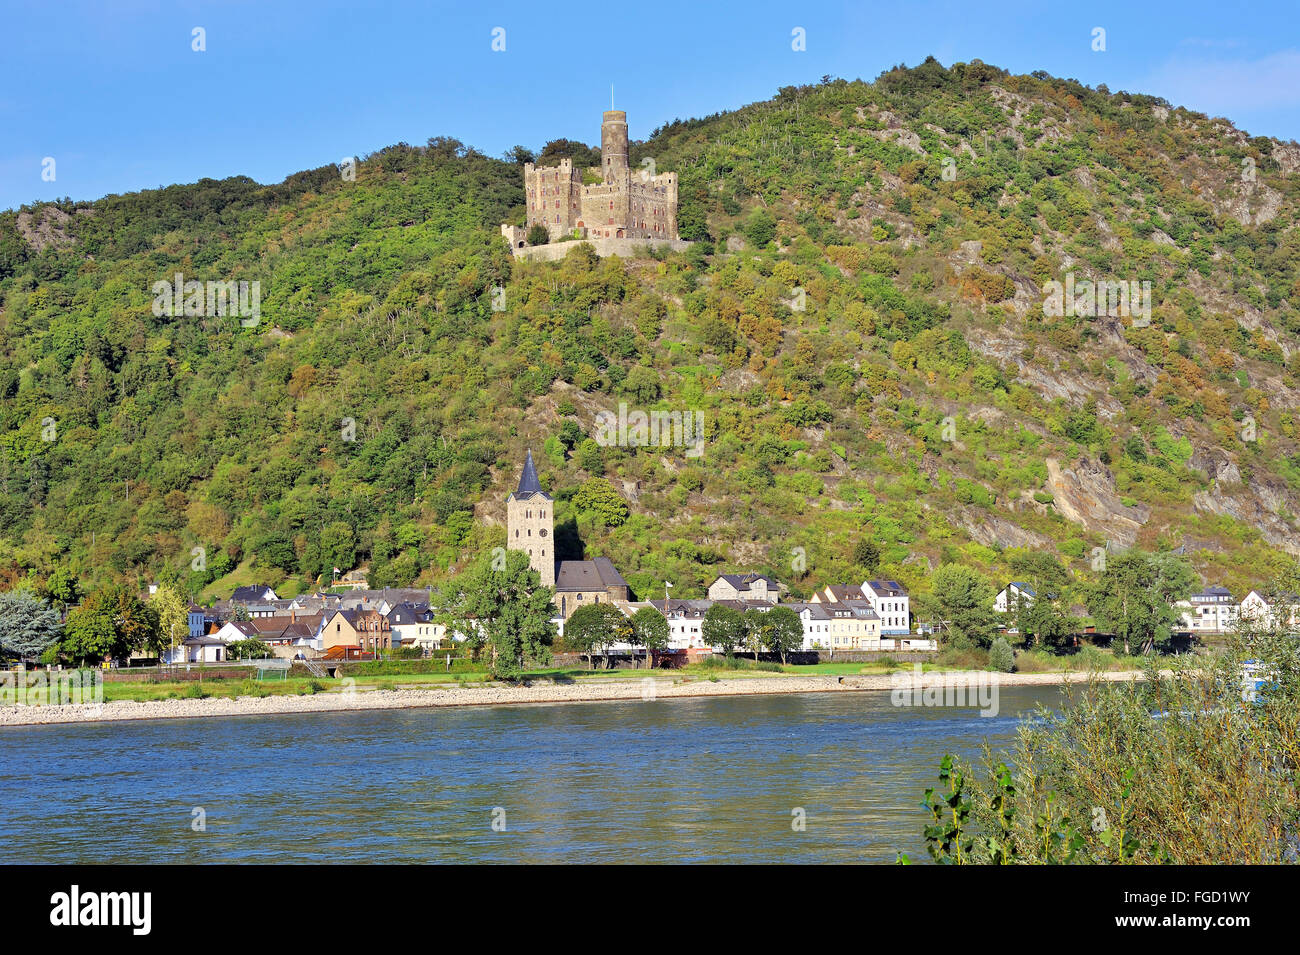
919,408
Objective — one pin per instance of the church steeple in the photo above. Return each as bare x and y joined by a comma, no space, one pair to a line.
528,483
530,523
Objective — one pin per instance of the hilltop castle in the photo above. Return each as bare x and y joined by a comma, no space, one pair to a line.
625,204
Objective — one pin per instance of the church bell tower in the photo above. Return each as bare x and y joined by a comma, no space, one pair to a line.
530,523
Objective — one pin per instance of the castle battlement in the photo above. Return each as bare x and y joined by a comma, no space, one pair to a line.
626,204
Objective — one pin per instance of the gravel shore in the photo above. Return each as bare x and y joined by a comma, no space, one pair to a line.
645,688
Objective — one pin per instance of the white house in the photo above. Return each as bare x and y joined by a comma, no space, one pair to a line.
234,630
414,627
1270,611
838,625
890,600
201,649
685,622
1212,610
1013,595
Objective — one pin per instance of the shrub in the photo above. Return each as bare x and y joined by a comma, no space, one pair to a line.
1001,656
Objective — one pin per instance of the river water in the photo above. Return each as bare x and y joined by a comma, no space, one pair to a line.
693,780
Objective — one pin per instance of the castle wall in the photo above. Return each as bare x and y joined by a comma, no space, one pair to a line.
627,204
554,195
624,248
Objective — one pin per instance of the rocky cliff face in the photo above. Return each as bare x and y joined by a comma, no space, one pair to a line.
1084,492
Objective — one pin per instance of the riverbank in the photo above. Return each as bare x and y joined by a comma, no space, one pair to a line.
645,688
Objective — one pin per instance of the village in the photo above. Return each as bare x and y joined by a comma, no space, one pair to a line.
353,622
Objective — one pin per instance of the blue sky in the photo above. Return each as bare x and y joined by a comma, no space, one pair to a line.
113,92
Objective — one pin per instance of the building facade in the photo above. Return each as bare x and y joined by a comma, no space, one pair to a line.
530,523
745,587
1212,610
530,528
624,204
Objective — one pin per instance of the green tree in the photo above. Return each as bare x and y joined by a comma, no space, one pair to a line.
866,555
250,649
784,633
761,228
591,457
756,630
1045,620
1001,656
111,623
961,604
723,627
28,624
642,384
650,630
62,587
173,615
500,601
594,628
539,235
1134,596
598,499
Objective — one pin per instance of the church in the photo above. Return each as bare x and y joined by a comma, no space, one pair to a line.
530,526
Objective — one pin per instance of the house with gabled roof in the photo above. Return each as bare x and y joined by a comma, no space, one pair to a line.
1014,595
414,626
579,582
838,625
749,586
253,593
366,629
888,598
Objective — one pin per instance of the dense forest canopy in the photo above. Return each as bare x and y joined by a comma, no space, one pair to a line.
859,321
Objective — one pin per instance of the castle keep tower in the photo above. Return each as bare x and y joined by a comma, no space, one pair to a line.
625,204
613,144
530,523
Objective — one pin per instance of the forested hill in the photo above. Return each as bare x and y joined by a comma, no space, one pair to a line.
919,407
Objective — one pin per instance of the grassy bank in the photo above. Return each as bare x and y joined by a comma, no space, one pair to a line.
735,668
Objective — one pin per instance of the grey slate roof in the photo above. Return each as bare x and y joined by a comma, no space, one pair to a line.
742,581
252,592
598,574
529,485
887,588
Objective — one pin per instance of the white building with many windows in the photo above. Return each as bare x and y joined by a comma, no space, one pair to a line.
888,598
1212,610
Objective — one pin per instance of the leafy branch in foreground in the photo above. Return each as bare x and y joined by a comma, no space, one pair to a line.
1177,768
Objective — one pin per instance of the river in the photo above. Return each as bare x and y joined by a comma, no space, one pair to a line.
693,780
